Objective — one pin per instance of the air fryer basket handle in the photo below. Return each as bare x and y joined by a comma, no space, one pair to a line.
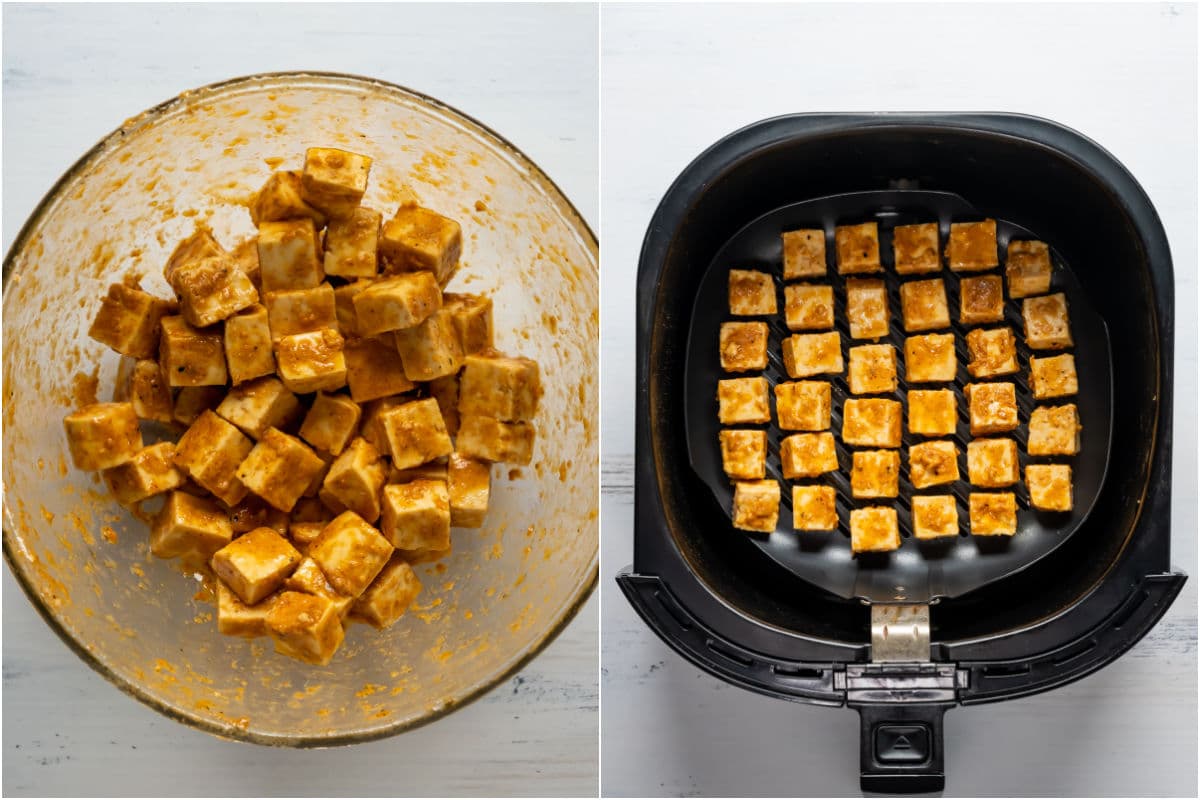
900,748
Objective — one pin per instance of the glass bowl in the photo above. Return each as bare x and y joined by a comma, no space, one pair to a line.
84,562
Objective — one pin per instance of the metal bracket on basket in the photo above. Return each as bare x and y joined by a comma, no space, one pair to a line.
899,633
900,669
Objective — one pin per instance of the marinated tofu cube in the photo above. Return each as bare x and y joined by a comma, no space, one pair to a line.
235,618
280,469
289,255
1049,487
992,463
866,308
875,473
934,516
493,440
806,354
152,471
189,524
743,400
972,246
351,553
312,362
417,239
923,305
857,248
808,307
372,421
505,388
871,422
1053,376
416,515
993,352
445,391
149,393
807,455
472,315
1028,268
280,199
744,454
1047,326
993,513
803,253
309,579
756,505
248,345
128,321
992,407
469,482
389,595
932,463
1054,431
310,509
334,180
314,487
294,311
352,244
330,422
192,401
374,370
814,508
191,357
915,248
802,405
306,627
932,412
874,530
981,299
102,435
751,293
343,307
416,433
210,452
211,290
245,258
303,534
743,346
255,564
258,405
199,245
395,303
431,349
438,470
930,358
873,369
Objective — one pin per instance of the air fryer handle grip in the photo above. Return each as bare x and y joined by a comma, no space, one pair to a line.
900,747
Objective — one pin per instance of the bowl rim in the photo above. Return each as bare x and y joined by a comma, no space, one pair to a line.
231,731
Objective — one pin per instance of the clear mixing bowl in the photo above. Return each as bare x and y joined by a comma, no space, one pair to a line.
485,611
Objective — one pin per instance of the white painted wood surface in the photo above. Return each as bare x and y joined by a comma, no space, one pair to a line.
72,74
677,78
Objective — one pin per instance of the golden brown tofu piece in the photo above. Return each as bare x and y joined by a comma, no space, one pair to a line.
873,369
492,440
280,469
992,407
211,290
352,244
874,530
1047,326
932,463
1053,376
289,255
932,412
306,627
248,345
102,435
743,346
972,246
1054,431
372,421
992,463
190,357
149,393
210,452
279,199
128,321
808,307
744,454
867,308
807,455
253,513
309,579
235,618
392,304
814,508
916,248
875,473
200,244
871,422
469,482
293,311
923,305
430,349
445,391
192,401
802,405
312,362
255,564
417,239
258,405
330,422
743,400
438,470
993,352
1028,268
245,258
189,524
303,534
756,505
507,389
416,433
416,515
934,516
1049,486
751,293
351,553
930,358
151,471
803,253
806,354
334,180
343,307
993,513
857,248
472,315
981,299
374,370
389,595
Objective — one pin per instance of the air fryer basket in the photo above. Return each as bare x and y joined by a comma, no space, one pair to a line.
717,598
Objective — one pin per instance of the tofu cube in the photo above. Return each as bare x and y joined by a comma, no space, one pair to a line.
857,248
1047,326
245,258
289,255
352,244
149,393
294,311
756,505
151,471
343,307
992,407
808,307
395,303
445,391
210,452
128,321
930,358
1049,486
874,530
807,455
374,370
310,509
992,463
235,618
330,422
743,401
743,346
932,412
981,299
468,482
751,293
258,405
866,308
803,253
334,180
932,463
306,627
417,239
191,357
248,345
814,508
280,469
192,401
873,369
492,440
472,315
871,422
351,553
102,435
993,352
211,290
389,595
972,246
505,388
806,354
915,248
372,421
199,245
312,362
934,516
923,305
255,564
309,579
1028,268
189,524
1053,376
744,454
280,198
303,534
993,513
416,433
431,349
802,405
416,515
438,470
1054,431
875,473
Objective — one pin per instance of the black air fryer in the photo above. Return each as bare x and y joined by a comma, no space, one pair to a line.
905,636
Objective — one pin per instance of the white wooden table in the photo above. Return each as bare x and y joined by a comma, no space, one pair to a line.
678,78
72,74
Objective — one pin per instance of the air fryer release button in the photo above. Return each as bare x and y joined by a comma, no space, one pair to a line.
901,744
